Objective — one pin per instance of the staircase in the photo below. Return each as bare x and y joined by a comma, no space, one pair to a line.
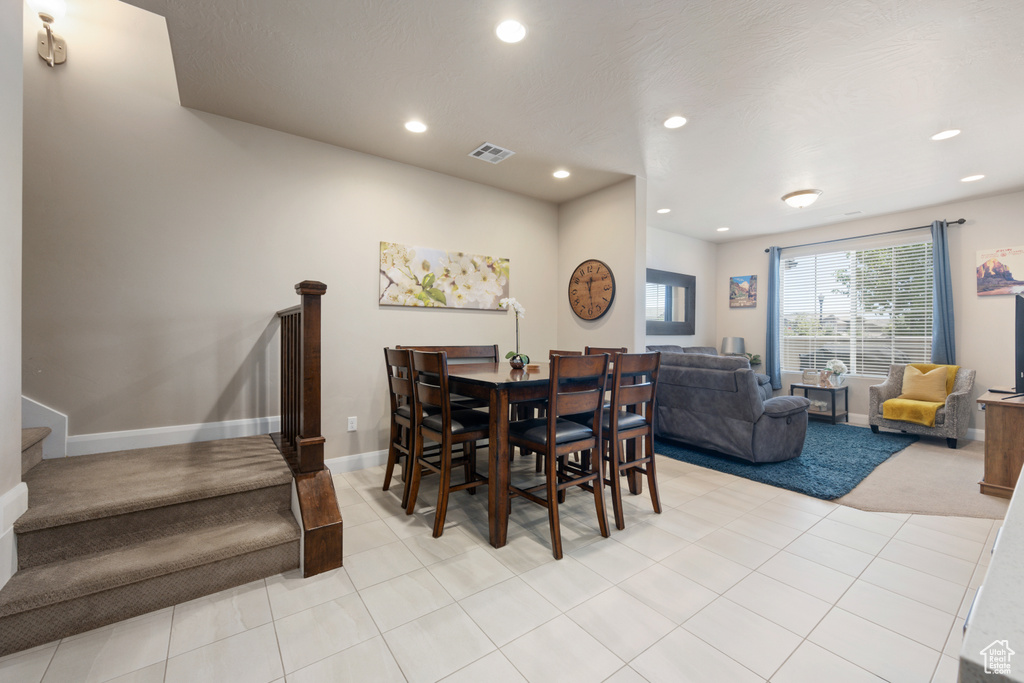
111,536
32,447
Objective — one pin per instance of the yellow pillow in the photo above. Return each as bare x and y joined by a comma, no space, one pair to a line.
924,386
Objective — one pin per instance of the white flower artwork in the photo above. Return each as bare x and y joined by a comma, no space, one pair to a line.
435,278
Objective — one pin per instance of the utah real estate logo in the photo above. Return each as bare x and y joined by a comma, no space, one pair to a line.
997,657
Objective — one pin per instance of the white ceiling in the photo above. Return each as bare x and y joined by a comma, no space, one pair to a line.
839,95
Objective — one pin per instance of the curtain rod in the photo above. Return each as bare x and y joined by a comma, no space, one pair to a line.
959,221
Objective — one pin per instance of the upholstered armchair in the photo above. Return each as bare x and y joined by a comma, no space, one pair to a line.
950,420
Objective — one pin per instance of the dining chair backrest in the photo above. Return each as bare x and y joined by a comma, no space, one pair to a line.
635,382
463,354
556,352
610,350
430,382
577,386
399,366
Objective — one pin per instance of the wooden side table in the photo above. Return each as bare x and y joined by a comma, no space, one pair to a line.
1004,447
825,415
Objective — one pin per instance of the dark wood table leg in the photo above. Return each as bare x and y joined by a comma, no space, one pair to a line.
498,474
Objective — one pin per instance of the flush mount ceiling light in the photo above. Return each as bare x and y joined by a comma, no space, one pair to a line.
561,174
801,198
511,31
721,229
52,48
946,134
664,210
675,122
415,126
971,178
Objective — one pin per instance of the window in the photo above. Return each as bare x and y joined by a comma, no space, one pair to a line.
869,307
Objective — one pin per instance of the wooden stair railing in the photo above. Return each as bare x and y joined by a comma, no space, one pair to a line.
300,441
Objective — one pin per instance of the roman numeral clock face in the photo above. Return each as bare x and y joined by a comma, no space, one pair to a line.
591,289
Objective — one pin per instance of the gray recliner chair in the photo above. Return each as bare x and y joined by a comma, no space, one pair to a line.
713,402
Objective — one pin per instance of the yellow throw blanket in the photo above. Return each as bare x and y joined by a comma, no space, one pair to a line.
909,410
919,412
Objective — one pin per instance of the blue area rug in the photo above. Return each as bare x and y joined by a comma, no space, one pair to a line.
835,459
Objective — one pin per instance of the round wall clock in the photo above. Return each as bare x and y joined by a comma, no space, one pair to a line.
591,289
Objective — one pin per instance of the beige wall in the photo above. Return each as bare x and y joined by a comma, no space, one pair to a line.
680,254
602,225
159,248
984,324
10,244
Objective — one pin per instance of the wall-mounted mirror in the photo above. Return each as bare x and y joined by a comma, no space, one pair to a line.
671,302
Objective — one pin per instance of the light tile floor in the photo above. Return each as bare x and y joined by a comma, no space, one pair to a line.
735,581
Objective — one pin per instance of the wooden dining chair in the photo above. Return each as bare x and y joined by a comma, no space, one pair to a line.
576,386
404,433
440,422
528,409
485,353
631,419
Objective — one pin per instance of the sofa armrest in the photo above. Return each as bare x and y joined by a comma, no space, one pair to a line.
784,406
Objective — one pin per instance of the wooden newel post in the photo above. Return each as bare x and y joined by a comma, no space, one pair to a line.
310,444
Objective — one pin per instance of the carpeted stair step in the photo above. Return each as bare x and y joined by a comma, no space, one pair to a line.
32,447
51,601
89,504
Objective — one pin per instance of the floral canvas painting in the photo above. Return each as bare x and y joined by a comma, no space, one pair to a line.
435,278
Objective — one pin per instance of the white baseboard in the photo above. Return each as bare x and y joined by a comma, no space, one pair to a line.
35,414
13,504
358,461
104,442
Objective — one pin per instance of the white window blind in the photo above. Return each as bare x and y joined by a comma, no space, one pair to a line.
655,301
869,306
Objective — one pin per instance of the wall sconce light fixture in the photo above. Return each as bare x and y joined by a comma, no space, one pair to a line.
52,48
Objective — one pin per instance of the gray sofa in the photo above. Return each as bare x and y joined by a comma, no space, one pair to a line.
713,402
764,383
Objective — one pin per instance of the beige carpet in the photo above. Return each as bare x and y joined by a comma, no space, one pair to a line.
930,479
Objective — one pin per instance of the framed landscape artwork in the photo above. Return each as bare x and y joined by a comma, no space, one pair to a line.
436,278
743,291
1001,271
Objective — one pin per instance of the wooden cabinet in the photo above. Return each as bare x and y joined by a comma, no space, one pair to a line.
1004,443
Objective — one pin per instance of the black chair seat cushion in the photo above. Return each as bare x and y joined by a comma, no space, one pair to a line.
462,421
626,420
536,430
460,402
406,411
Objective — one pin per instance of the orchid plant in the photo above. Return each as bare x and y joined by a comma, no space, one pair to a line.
510,303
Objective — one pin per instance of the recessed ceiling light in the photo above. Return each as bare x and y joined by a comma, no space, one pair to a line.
664,210
801,198
415,126
561,174
946,134
675,122
511,31
971,178
722,229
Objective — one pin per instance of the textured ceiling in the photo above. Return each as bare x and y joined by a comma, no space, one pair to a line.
839,95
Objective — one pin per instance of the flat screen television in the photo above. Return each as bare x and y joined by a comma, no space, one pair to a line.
1019,346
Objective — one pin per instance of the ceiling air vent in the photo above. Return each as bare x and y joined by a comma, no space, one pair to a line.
491,153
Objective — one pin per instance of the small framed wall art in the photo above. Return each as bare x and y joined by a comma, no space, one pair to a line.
743,291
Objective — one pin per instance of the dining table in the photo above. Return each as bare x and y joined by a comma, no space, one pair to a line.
502,386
